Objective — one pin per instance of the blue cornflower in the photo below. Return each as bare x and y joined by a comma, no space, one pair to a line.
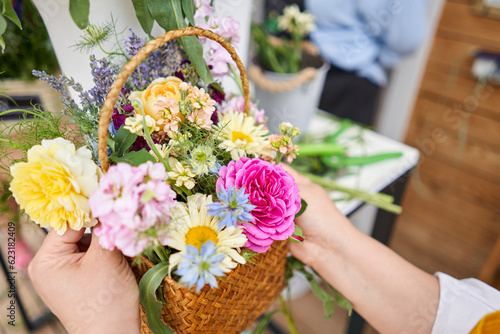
232,206
200,268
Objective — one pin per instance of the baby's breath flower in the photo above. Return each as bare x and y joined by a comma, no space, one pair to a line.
202,160
183,176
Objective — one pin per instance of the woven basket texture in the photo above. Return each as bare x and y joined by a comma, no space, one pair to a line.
242,296
248,290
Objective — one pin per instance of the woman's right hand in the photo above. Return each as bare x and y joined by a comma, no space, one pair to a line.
325,227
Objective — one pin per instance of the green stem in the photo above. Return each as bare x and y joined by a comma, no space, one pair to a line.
151,144
360,161
308,150
236,78
382,201
288,317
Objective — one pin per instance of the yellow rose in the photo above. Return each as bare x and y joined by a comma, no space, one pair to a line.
166,87
53,187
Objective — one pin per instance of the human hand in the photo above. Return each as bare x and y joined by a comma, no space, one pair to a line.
324,226
90,289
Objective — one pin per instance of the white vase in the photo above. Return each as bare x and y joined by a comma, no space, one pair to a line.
64,33
296,106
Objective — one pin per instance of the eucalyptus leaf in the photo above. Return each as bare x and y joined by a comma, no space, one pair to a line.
147,293
123,140
144,15
9,12
188,10
303,207
134,158
79,10
264,322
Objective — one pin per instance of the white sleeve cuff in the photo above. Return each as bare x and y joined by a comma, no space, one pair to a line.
462,303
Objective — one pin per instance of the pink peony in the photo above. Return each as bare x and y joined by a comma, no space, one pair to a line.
133,205
275,195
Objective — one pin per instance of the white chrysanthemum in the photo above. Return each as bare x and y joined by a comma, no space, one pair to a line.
241,136
192,225
294,20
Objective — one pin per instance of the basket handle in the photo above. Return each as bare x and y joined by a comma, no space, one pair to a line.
129,68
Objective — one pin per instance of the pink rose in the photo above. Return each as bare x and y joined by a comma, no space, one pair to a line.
275,195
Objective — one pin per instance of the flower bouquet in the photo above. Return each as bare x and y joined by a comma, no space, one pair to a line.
195,198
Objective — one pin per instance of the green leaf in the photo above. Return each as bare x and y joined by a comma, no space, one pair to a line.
134,158
9,12
168,14
79,10
123,140
188,10
325,297
2,44
297,233
144,15
147,291
264,322
303,207
3,27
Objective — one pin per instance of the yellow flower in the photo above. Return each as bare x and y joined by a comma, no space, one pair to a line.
166,87
54,185
241,137
192,225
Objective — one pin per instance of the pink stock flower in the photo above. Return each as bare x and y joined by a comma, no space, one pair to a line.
133,205
275,195
170,115
227,27
203,9
218,58
237,103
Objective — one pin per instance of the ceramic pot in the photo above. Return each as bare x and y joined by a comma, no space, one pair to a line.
297,105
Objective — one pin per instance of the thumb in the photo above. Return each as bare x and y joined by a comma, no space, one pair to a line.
96,249
57,245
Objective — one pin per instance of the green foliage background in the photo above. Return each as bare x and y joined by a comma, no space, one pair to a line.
27,49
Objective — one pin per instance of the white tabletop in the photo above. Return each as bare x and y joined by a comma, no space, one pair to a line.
374,177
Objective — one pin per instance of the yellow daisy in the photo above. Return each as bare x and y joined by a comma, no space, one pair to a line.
192,225
241,137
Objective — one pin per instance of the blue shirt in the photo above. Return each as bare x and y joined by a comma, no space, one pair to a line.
368,36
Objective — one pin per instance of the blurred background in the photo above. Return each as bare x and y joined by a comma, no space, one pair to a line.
436,90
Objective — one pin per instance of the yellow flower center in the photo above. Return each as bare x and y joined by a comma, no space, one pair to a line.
198,235
241,136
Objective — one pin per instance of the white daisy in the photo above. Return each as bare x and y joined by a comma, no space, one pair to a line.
192,225
241,136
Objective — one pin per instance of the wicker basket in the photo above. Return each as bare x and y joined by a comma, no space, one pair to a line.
248,290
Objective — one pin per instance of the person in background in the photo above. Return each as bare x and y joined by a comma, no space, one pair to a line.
362,40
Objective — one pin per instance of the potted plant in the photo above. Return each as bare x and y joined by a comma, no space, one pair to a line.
288,72
27,48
